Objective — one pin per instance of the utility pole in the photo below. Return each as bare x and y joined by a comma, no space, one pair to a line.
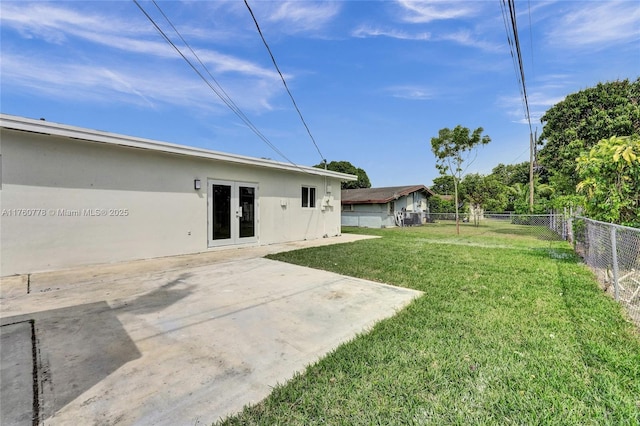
531,159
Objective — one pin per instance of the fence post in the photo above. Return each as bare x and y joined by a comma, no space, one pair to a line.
614,256
570,225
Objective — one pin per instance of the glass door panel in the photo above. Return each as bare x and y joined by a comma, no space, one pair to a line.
221,206
246,198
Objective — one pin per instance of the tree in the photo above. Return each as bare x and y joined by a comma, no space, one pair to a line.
610,178
346,167
509,174
519,197
441,204
453,148
443,185
581,120
484,192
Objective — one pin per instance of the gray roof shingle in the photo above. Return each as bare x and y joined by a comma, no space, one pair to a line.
380,195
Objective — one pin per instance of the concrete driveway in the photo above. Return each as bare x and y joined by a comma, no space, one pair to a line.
176,341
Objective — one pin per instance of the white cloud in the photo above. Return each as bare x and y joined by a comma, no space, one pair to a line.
125,83
87,83
58,24
543,99
422,12
549,82
539,102
466,38
462,37
54,24
154,73
597,24
419,93
366,31
428,10
300,16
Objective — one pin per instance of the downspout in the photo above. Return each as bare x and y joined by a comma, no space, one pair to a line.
322,206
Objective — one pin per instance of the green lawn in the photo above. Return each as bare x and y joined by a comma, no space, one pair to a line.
511,329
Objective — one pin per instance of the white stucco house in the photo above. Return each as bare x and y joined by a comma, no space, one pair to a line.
385,207
72,196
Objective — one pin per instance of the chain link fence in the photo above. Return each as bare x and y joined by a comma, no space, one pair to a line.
550,227
436,217
613,253
542,226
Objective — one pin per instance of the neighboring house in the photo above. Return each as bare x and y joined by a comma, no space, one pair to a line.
72,196
383,207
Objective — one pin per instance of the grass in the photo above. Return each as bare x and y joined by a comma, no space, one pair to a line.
511,329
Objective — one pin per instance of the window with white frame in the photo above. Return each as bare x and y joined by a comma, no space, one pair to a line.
308,197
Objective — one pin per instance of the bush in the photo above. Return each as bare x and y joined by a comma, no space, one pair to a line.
610,179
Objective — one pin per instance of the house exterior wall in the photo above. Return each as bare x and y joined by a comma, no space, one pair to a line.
368,216
55,192
414,202
378,215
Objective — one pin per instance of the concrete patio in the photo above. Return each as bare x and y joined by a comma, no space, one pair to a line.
178,341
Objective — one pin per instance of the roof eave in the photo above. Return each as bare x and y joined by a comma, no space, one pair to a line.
408,190
366,201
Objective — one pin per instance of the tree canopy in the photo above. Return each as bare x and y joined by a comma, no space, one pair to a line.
581,120
484,192
346,167
443,185
505,189
610,179
510,174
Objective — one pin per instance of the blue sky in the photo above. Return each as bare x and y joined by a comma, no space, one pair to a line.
374,80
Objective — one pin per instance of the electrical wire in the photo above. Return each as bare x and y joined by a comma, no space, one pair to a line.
521,79
511,51
521,154
520,64
273,59
220,93
518,55
223,94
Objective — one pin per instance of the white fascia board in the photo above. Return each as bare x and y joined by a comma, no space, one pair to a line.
96,136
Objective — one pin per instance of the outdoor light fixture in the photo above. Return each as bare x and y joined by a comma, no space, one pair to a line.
196,184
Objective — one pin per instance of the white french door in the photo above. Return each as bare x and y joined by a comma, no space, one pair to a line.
233,208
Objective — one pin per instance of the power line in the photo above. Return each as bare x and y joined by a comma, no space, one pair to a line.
223,94
519,67
220,93
517,57
511,51
521,154
283,80
512,9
